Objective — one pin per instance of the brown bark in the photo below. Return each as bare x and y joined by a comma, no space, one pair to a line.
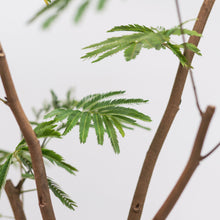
13,194
166,122
191,166
31,139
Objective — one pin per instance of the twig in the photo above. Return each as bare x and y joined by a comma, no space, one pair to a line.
30,138
212,151
190,70
190,167
166,122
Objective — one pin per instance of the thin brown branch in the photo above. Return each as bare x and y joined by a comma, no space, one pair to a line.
212,151
190,168
13,194
31,139
166,122
190,70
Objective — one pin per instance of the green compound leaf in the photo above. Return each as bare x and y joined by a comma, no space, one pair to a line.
91,110
144,37
4,171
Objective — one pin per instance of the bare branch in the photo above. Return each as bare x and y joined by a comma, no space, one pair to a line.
31,139
167,120
190,168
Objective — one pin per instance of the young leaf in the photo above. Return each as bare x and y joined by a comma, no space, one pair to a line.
157,38
4,171
84,126
72,121
99,128
112,134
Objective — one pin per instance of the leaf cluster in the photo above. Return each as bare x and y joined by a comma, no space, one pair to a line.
56,7
143,37
103,113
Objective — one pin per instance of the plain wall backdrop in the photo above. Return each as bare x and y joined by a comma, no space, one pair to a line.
104,186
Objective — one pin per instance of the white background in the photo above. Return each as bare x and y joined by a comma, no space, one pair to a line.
104,186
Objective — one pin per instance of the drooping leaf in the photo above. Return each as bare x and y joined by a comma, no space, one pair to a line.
57,159
176,50
61,195
57,191
99,128
72,121
84,126
4,171
112,134
81,10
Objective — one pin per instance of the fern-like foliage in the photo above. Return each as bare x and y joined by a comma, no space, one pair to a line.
106,115
56,7
143,37
57,191
61,195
